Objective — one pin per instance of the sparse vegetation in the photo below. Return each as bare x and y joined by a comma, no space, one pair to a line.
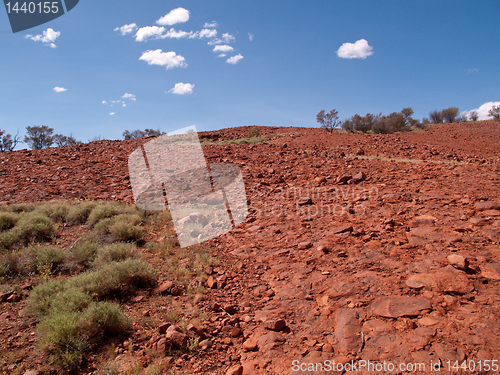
39,137
62,140
75,282
436,117
379,124
135,134
7,143
495,112
473,116
254,132
328,121
450,114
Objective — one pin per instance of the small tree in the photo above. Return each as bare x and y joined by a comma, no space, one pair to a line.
328,121
450,114
135,134
473,116
39,137
495,112
407,112
254,132
7,143
436,117
62,140
153,133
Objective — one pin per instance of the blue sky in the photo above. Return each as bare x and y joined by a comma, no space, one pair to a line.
284,62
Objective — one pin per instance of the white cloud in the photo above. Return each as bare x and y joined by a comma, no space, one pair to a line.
144,33
182,88
172,33
211,25
111,113
127,29
226,38
223,48
124,105
167,59
472,71
48,38
177,15
483,110
207,33
234,59
250,36
104,102
129,96
222,55
59,89
359,50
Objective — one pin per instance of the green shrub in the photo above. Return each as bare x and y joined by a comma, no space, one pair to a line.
7,220
79,213
7,239
56,210
126,232
114,277
10,264
105,211
61,335
41,297
254,132
122,227
32,227
103,225
22,207
67,333
85,251
45,258
114,253
70,299
103,318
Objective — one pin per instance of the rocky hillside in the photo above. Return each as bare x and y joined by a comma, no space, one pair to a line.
357,248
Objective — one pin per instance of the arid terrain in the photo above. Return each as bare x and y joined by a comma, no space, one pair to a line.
358,248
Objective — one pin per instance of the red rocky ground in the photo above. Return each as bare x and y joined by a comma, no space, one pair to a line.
346,255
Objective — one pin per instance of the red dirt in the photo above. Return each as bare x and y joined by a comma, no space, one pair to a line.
362,271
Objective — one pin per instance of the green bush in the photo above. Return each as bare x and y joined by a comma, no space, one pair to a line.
45,259
67,334
70,299
79,213
126,232
10,264
32,227
114,253
103,225
41,297
85,251
22,207
61,335
254,132
103,318
7,220
114,277
7,239
55,210
122,227
106,211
